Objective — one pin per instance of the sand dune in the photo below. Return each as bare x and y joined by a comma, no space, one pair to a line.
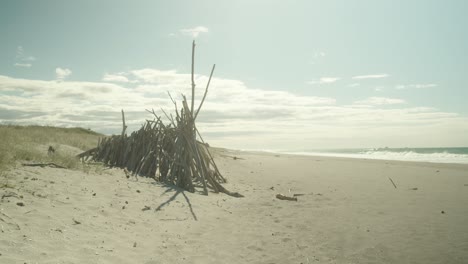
347,211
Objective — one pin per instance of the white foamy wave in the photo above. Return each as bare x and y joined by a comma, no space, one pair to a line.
442,157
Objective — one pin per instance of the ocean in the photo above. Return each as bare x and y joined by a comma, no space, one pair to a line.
438,155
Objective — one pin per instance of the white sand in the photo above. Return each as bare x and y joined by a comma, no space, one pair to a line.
349,213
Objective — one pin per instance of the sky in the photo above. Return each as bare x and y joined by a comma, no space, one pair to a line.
290,75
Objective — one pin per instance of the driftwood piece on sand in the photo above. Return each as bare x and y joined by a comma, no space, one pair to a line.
42,165
394,185
87,153
284,197
9,221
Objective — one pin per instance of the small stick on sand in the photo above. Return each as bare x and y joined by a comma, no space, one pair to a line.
287,198
394,185
42,165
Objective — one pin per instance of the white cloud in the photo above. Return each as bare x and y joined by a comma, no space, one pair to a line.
156,76
19,51
234,115
97,104
378,89
380,101
22,60
194,32
24,65
317,56
324,80
29,58
371,76
415,86
354,85
328,79
320,54
115,78
62,73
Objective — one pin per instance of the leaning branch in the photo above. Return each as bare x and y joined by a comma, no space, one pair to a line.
124,127
193,78
206,92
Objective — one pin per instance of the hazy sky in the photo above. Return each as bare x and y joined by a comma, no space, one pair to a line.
290,75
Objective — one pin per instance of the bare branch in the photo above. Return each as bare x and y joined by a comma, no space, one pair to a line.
124,127
206,92
193,80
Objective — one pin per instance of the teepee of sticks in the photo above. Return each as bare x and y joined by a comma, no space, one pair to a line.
168,153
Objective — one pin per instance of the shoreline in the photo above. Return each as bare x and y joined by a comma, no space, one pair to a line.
456,166
341,155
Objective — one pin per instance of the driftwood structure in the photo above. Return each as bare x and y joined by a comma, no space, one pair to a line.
168,153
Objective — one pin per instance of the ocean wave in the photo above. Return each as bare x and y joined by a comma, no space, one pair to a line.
436,157
442,157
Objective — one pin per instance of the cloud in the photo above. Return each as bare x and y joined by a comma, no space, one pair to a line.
378,89
24,65
354,85
29,58
70,103
324,80
371,76
62,73
328,79
156,76
234,114
115,78
19,52
317,56
380,101
415,86
194,32
22,60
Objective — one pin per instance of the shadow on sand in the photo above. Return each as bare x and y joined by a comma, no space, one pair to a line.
174,196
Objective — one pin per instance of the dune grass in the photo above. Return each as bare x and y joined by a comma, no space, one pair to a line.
30,143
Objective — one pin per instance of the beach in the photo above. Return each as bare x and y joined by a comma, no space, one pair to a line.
347,211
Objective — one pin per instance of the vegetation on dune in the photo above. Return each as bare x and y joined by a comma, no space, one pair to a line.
30,143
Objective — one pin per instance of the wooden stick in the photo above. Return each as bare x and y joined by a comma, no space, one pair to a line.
175,104
124,127
206,91
89,152
168,117
211,157
193,78
200,165
284,197
394,185
42,165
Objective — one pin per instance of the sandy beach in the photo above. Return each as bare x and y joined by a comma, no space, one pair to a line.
348,211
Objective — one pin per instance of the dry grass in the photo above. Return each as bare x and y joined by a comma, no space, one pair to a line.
29,143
